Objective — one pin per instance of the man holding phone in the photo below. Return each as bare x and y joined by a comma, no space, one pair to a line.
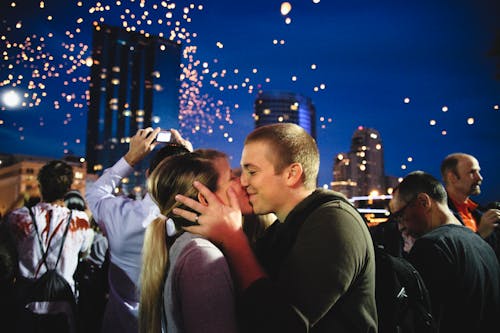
124,222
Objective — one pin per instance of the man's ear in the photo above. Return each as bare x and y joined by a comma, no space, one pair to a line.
294,174
451,177
202,199
424,200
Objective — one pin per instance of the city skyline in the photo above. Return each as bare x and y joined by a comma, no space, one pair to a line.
419,72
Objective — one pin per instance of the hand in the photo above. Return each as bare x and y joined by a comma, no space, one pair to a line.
489,221
178,138
141,144
217,222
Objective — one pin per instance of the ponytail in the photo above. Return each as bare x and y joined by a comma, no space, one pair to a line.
154,263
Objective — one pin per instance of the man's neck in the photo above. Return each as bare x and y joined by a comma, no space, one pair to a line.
456,196
294,197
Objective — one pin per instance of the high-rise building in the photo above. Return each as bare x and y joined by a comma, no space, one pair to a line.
285,107
360,172
135,80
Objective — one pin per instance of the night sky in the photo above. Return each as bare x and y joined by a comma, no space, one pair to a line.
420,72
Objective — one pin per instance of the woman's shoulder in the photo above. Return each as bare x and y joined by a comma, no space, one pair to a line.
196,250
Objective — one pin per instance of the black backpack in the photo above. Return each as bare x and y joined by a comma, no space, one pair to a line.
403,302
50,287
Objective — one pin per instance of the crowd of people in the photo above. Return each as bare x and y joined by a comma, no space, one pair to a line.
256,249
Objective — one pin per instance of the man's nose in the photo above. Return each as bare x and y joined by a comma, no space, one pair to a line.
479,177
243,180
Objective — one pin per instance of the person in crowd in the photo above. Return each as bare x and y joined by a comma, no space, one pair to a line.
51,217
123,220
314,270
186,285
8,273
90,274
462,178
459,269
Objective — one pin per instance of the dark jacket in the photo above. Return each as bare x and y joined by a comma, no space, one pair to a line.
322,272
493,239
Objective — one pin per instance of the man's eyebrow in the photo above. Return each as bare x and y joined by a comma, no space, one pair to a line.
247,165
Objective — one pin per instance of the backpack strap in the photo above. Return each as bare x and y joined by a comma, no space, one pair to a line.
45,253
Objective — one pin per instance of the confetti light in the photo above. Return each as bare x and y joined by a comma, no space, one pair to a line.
286,7
200,108
62,58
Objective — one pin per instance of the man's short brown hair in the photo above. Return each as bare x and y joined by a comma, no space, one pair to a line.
289,144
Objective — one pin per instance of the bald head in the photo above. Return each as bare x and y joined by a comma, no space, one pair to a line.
461,175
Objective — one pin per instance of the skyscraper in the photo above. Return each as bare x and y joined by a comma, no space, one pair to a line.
285,107
361,171
134,85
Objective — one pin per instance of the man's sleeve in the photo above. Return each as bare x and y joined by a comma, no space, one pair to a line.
100,197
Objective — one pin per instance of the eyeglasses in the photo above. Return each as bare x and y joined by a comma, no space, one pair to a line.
398,216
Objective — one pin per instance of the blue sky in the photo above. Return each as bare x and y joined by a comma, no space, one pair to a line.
369,56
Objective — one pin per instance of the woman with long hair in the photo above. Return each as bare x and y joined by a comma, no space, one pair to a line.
185,281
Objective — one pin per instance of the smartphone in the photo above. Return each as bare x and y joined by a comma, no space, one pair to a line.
164,136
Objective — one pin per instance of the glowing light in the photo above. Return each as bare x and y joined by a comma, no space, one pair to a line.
406,100
432,122
403,166
444,109
286,7
11,99
470,121
444,132
313,66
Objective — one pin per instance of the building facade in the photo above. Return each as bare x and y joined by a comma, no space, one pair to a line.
272,107
135,82
18,179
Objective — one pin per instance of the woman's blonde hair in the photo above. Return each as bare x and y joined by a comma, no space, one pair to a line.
174,175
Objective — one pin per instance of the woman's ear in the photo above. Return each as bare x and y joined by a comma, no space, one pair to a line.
202,199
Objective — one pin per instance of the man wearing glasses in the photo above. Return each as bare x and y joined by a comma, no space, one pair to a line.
460,270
